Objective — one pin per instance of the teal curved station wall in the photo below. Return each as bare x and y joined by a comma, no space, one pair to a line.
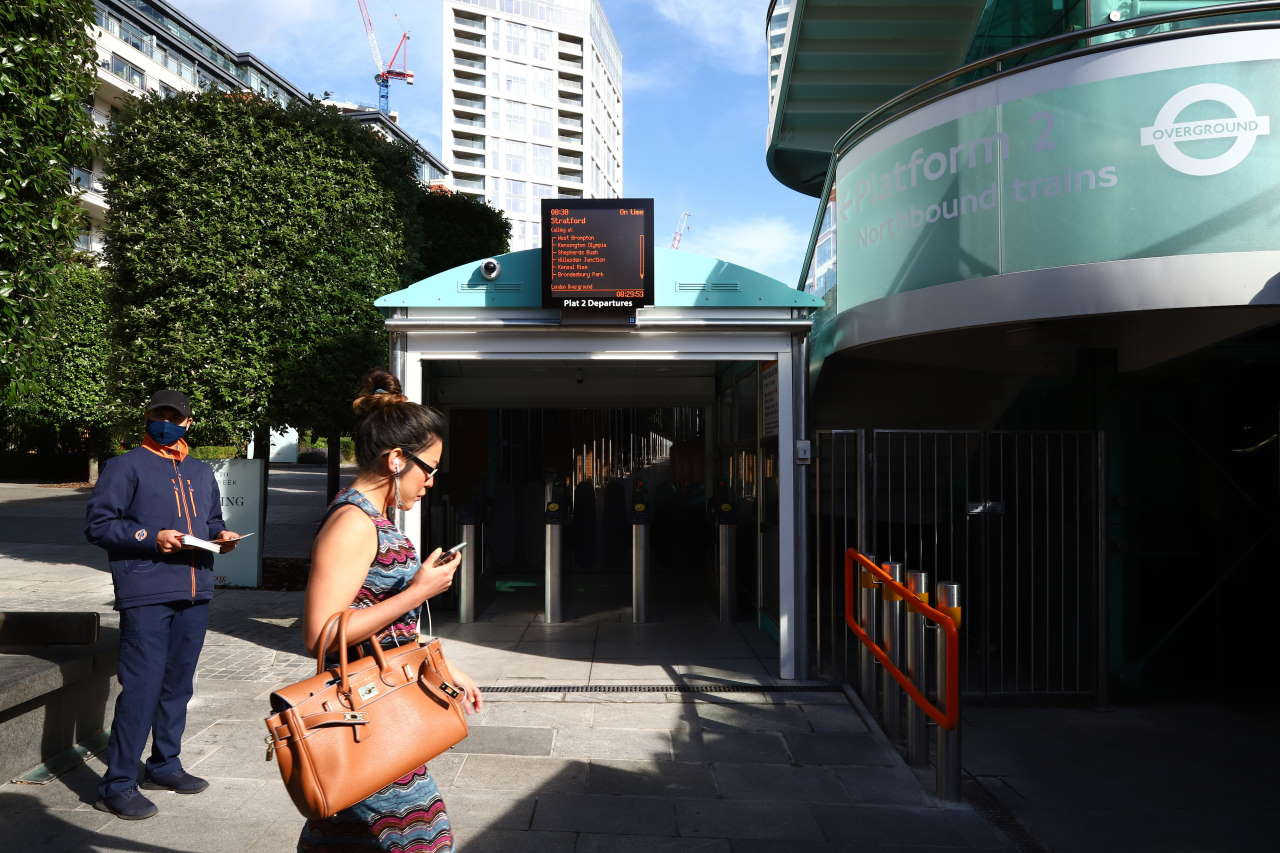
1139,178
681,280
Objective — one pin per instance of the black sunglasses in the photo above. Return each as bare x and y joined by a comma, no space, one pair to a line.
427,468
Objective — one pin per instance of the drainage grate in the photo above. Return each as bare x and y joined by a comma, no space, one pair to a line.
662,688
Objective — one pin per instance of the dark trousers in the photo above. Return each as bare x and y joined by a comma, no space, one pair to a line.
159,647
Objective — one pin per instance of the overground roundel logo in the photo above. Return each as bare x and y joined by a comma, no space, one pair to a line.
1245,126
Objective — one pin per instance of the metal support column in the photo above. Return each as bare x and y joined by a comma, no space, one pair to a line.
868,595
639,572
468,573
948,784
890,639
917,722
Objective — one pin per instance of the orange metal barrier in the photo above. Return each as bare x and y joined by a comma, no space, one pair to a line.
949,719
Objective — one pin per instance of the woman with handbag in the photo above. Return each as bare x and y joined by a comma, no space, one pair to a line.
361,561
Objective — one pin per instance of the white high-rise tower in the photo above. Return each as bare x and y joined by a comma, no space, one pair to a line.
532,105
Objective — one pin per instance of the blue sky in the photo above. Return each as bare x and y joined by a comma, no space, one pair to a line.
695,102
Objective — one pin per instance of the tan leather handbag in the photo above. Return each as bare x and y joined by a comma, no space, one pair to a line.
349,731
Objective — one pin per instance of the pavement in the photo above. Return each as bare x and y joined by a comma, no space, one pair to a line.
704,750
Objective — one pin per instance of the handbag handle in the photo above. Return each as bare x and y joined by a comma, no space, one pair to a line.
344,682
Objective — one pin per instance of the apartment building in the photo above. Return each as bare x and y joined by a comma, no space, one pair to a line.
149,46
531,105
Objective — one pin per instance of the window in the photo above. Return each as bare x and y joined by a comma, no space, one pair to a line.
516,36
541,191
542,44
823,254
516,81
135,38
167,90
516,196
514,160
84,240
494,194
128,71
516,118
543,84
535,234
542,122
543,165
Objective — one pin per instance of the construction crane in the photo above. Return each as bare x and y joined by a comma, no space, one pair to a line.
386,73
681,228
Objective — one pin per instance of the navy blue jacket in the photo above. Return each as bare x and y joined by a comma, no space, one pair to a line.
138,495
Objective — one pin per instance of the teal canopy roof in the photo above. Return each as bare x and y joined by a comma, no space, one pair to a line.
682,280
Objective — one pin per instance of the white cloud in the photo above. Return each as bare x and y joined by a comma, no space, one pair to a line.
732,31
766,244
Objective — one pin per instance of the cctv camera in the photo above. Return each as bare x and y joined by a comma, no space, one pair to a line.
490,269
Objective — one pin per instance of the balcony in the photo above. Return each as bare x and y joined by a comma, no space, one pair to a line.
468,120
567,85
470,43
100,118
468,183
569,194
571,47
575,61
469,104
92,194
471,161
575,123
473,23
572,103
468,142
568,178
468,62
473,80
575,162
566,139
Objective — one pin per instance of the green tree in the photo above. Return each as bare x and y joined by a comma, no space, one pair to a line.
457,229
247,240
46,77
64,406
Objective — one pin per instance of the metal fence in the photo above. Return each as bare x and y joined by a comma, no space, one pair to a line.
1012,516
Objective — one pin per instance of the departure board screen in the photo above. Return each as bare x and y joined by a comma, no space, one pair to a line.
597,254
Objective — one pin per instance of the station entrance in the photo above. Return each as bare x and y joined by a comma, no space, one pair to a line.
697,399
683,454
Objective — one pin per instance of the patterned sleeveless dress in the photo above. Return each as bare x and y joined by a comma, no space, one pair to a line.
407,816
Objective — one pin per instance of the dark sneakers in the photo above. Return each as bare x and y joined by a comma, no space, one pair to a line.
181,782
130,805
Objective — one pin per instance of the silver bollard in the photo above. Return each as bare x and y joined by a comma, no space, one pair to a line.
726,545
948,601
467,573
890,640
917,721
639,573
553,558
868,681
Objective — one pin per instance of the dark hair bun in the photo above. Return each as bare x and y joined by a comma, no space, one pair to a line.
379,389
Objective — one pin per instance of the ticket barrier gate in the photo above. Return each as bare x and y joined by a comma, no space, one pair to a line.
556,514
640,564
468,574
726,557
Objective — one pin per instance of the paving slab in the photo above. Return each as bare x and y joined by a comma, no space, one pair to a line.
764,818
651,778
541,771
606,815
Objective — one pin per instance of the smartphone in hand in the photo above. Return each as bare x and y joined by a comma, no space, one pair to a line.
448,555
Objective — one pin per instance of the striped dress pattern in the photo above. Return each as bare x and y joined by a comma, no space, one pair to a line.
407,816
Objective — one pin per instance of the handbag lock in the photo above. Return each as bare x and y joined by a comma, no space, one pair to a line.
453,692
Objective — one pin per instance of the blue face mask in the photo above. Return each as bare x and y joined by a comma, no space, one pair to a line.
164,432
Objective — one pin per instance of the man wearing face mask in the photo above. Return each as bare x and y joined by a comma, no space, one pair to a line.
144,503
